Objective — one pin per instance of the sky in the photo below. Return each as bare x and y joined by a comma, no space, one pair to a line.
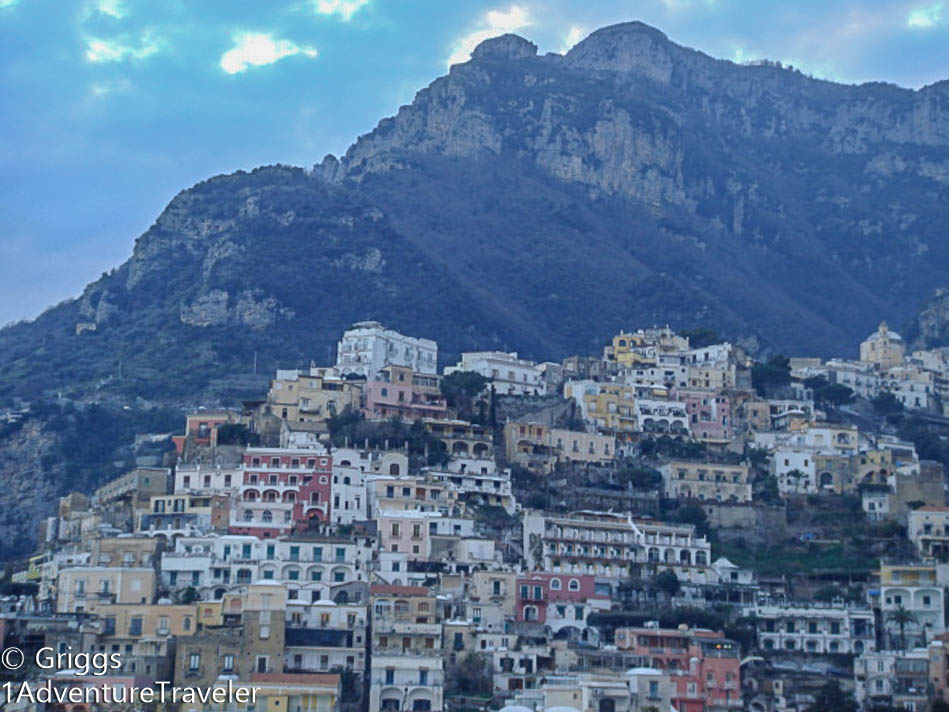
108,108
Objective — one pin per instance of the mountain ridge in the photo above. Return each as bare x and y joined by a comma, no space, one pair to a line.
630,178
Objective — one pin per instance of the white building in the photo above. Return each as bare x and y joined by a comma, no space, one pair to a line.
208,479
929,530
509,374
368,347
919,589
606,544
813,628
795,470
323,636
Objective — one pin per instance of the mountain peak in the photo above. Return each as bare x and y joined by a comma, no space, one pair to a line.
626,47
507,46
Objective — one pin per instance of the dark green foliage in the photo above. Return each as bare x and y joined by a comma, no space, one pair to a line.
701,336
350,427
667,582
831,698
235,434
692,514
8,588
189,595
460,389
775,372
834,394
471,675
887,404
929,445
639,477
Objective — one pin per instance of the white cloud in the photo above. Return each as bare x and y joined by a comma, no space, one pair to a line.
256,49
100,90
574,35
344,8
112,8
925,17
100,50
493,23
8,3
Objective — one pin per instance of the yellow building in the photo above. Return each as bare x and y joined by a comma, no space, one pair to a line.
282,692
883,347
611,408
311,396
629,348
84,589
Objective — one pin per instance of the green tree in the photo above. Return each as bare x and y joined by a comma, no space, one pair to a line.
667,582
461,388
902,618
887,404
693,514
701,337
831,698
775,372
469,676
834,394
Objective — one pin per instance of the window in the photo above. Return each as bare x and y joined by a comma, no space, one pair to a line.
555,584
574,585
227,663
194,662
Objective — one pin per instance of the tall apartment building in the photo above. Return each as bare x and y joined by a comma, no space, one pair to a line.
368,347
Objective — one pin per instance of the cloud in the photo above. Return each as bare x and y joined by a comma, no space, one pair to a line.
112,8
256,49
8,3
100,90
574,35
925,17
102,50
493,23
344,8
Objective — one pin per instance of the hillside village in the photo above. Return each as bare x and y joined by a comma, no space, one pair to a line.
666,525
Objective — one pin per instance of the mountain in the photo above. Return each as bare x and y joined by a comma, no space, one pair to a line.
537,203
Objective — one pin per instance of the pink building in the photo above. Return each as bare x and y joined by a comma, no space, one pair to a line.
398,392
558,600
703,664
710,414
281,488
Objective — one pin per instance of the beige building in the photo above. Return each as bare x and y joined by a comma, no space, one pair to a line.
311,395
494,587
883,348
406,671
140,484
84,589
538,445
283,692
125,551
706,481
252,644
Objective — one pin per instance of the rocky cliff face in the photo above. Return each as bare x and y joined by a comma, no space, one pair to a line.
631,178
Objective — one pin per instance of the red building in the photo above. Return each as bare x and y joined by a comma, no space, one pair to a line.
201,428
703,664
710,414
558,600
281,488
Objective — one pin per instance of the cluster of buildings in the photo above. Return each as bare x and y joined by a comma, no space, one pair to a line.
330,575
